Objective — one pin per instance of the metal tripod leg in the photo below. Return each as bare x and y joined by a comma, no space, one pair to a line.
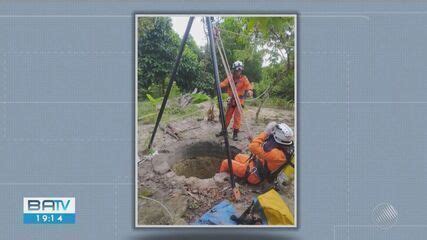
221,109
172,79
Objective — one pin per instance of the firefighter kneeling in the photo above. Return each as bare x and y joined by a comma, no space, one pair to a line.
269,151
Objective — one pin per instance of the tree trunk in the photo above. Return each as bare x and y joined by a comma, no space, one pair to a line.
267,95
163,87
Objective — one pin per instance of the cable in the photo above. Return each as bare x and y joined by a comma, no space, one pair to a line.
259,96
231,83
161,204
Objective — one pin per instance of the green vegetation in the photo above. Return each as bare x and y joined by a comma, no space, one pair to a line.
275,102
264,44
148,114
199,98
157,48
145,191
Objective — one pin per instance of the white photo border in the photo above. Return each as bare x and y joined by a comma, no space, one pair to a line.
138,15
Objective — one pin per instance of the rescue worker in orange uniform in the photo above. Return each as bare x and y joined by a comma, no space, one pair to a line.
243,89
268,154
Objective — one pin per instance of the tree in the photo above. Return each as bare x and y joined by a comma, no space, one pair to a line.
277,34
158,46
264,44
157,49
238,45
190,69
277,37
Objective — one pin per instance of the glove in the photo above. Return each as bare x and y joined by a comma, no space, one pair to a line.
231,102
250,93
270,127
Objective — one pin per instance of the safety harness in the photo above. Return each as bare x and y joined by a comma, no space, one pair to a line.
289,151
262,171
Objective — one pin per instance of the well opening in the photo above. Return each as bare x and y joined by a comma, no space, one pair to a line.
201,160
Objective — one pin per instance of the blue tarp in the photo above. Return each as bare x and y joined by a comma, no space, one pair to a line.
218,215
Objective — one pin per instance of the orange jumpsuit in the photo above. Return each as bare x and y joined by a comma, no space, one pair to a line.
242,85
275,158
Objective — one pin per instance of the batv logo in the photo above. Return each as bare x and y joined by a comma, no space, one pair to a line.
49,210
54,205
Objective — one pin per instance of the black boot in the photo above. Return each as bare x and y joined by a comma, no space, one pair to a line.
235,137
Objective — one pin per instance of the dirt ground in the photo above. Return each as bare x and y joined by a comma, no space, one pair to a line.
179,182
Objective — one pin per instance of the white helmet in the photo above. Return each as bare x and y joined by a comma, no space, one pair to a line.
237,65
283,134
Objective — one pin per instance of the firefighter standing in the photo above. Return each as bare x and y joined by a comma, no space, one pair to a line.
243,89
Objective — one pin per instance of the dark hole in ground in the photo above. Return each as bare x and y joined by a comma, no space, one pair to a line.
199,167
202,160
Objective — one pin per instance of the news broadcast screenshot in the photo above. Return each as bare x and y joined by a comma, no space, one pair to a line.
237,119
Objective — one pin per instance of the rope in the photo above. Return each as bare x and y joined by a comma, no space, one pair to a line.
225,55
230,81
259,96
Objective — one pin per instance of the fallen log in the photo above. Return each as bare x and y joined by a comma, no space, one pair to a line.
184,100
188,129
168,130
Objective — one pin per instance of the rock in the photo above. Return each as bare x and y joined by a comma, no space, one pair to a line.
180,179
204,184
191,181
177,191
142,174
177,204
151,213
149,176
145,191
145,175
161,168
180,221
170,174
221,177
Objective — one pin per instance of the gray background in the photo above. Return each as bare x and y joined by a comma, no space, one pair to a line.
66,116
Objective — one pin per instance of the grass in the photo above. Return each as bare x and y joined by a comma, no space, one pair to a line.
279,103
147,112
144,109
145,191
273,103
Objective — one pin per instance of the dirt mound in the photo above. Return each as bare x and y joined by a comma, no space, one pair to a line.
177,184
